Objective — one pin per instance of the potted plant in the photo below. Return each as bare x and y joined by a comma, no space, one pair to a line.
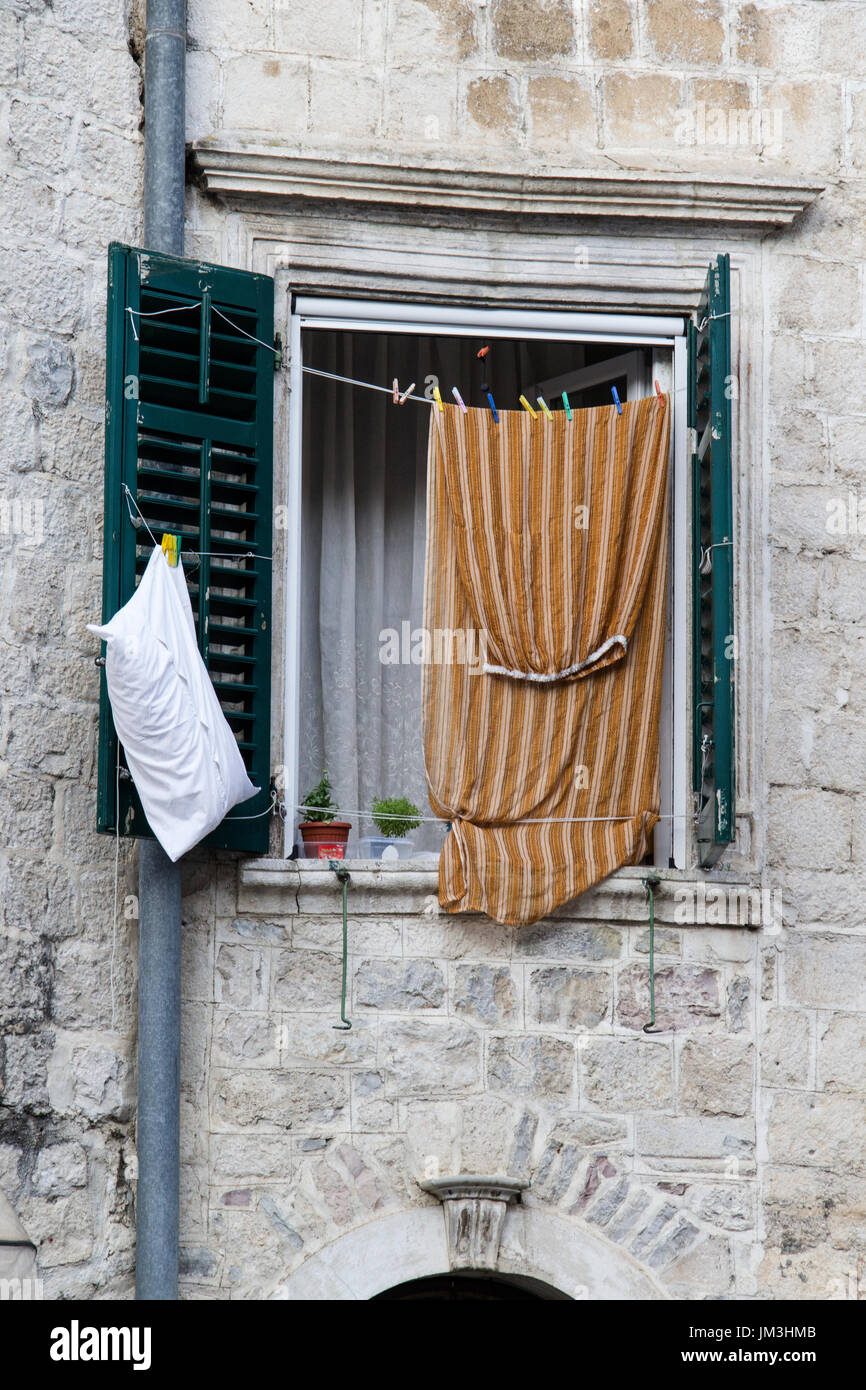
324,837
394,816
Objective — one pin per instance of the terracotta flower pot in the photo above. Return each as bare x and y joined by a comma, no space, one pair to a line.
325,840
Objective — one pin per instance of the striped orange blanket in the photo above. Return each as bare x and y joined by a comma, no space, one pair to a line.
545,603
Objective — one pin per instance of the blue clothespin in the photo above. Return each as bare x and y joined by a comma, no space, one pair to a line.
613,392
493,407
567,406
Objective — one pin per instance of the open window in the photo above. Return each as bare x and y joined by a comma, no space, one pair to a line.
358,485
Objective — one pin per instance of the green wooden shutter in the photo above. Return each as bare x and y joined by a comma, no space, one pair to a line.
713,641
189,430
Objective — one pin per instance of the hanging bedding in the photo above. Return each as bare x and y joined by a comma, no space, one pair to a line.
547,564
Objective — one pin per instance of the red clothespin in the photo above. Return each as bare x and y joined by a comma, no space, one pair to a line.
659,391
484,351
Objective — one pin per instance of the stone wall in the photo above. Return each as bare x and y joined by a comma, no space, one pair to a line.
70,181
725,1156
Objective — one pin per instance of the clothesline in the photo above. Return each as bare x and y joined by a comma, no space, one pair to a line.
434,400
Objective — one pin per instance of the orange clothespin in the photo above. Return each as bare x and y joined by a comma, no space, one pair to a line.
659,391
484,351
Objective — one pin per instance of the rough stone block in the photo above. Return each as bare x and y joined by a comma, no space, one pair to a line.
434,29
241,977
804,1128
531,1065
569,941
430,1056
492,108
621,1074
680,1142
686,32
727,1205
308,980
842,1054
533,30
398,986
641,110
293,1100
344,102
245,1039
59,1169
486,993
458,938
371,1112
306,1038
367,936
810,828
421,106
828,972
561,110
266,92
611,29
326,28
785,1048
687,996
716,1076
569,998
249,1157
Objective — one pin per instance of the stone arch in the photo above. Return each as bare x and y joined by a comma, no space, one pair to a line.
536,1242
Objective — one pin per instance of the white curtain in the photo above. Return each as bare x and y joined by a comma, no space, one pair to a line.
363,516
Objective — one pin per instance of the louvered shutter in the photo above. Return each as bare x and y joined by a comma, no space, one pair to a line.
189,430
711,387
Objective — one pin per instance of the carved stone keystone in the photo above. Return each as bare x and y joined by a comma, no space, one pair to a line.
474,1210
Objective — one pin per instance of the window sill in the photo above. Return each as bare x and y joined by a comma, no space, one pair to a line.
288,886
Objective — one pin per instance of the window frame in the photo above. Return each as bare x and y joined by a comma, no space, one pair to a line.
665,335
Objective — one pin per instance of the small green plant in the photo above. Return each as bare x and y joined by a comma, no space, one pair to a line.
395,816
320,798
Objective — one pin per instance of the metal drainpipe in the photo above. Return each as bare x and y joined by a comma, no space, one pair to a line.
158,1122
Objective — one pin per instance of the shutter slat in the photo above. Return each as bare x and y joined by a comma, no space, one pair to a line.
193,442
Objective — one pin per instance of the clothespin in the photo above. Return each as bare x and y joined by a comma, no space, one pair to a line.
545,407
493,407
567,406
526,406
658,391
171,548
437,397
459,399
396,391
407,393
614,393
484,351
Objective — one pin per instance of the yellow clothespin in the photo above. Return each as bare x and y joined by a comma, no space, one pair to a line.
545,407
526,406
437,397
171,548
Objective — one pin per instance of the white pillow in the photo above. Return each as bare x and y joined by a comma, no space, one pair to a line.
183,757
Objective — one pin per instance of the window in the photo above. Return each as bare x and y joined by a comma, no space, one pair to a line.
357,491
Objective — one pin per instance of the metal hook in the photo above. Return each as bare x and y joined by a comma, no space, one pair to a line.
343,877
